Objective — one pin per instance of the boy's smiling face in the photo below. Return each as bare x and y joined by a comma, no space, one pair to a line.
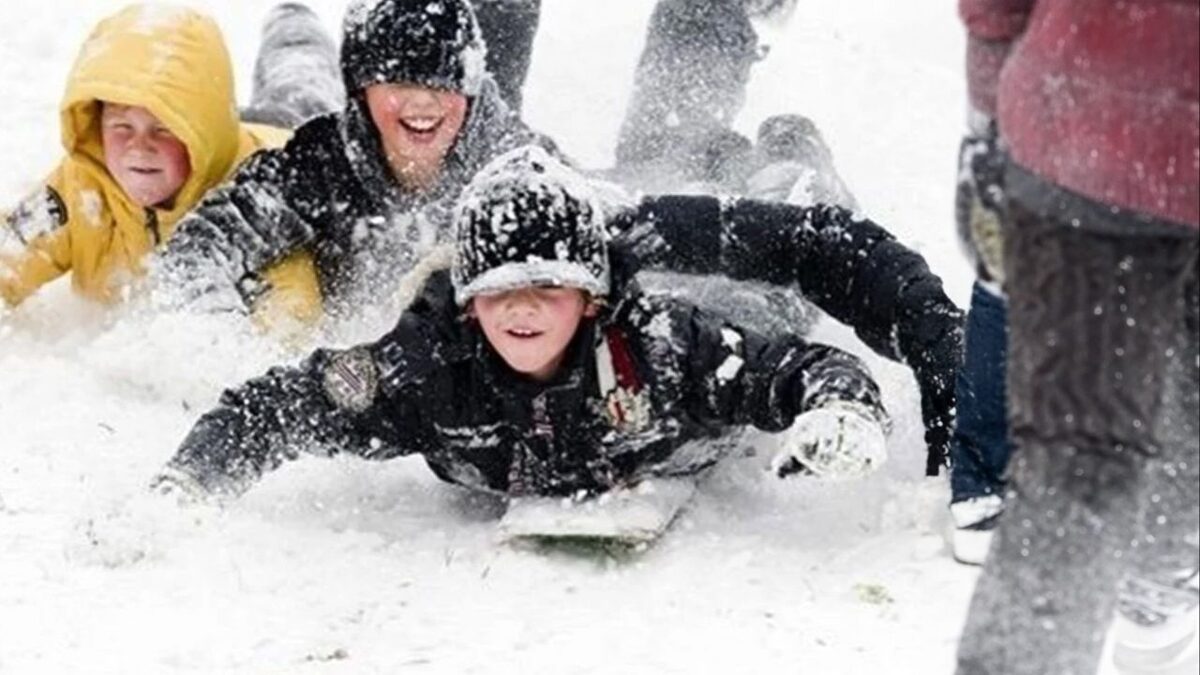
531,328
146,159
417,125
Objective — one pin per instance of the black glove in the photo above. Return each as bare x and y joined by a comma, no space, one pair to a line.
936,371
212,460
937,411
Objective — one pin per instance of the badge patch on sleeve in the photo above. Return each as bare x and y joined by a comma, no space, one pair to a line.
352,379
40,214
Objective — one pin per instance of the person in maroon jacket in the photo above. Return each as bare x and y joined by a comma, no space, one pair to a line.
1097,101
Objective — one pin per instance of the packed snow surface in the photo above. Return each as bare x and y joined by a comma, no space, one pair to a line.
345,566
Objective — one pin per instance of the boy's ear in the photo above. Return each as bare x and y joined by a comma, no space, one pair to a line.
591,309
469,309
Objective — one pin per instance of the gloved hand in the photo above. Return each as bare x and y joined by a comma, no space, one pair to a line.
839,440
937,368
174,484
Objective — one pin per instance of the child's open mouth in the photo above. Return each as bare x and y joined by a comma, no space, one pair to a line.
421,128
524,333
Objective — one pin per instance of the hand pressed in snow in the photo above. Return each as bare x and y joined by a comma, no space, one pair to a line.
177,485
837,441
144,525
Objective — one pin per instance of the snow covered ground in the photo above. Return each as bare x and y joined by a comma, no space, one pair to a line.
341,566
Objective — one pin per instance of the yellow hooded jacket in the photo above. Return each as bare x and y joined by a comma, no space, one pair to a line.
173,62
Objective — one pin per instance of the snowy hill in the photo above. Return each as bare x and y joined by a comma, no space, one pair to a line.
341,566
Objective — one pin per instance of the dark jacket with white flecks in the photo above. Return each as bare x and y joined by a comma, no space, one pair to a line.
330,191
434,386
851,268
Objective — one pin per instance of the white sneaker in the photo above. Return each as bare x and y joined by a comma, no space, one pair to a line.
971,546
1169,648
974,523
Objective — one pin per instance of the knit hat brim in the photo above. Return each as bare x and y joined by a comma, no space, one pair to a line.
512,276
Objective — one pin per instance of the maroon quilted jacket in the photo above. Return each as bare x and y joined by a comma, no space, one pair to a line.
1097,96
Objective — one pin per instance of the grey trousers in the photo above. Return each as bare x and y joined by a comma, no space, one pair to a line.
1104,396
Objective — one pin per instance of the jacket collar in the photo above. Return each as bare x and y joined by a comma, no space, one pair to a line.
489,122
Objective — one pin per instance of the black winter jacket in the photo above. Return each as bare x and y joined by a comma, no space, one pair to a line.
851,268
433,386
330,191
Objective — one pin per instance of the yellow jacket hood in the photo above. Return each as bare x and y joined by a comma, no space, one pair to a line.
172,61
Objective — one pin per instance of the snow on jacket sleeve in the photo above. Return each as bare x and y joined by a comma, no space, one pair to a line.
363,401
852,269
241,228
737,377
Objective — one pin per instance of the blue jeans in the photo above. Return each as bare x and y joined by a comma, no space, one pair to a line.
981,445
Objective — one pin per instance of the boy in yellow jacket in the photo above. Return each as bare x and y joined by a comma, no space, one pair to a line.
149,125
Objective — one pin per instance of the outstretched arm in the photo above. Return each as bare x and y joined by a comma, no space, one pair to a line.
325,406
223,247
851,268
822,396
738,377
364,401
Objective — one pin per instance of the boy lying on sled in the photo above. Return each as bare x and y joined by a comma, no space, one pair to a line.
536,367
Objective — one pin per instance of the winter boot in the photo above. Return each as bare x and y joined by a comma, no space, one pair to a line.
795,165
974,523
296,74
1169,648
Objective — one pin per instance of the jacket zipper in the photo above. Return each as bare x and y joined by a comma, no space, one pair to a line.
152,225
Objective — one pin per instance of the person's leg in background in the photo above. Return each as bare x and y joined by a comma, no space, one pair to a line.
509,27
1090,309
296,74
689,84
1156,631
980,449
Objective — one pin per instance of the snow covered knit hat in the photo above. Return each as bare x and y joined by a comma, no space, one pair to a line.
435,43
529,220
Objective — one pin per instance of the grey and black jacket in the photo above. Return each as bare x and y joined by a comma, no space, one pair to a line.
434,386
330,191
851,268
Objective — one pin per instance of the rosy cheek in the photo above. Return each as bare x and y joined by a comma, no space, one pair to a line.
114,142
386,110
176,154
383,112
